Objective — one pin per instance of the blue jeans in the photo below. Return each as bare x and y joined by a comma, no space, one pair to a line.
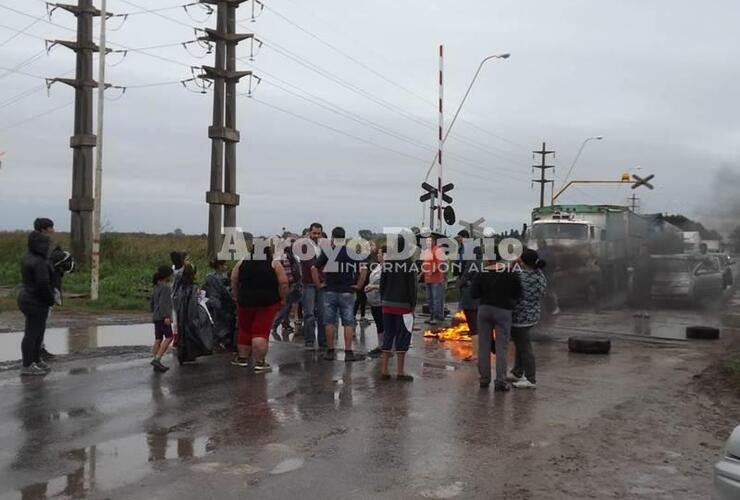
435,299
312,303
340,305
395,332
284,311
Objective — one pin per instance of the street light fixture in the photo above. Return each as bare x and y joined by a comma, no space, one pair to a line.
572,166
457,113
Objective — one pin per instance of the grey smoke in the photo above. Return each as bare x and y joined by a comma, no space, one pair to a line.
720,207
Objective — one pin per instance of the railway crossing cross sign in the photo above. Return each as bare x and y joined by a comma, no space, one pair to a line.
431,192
639,181
475,228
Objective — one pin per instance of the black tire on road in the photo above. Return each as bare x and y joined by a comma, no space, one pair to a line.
589,345
702,332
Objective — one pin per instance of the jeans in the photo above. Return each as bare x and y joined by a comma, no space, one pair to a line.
312,303
435,298
338,305
524,359
395,333
284,312
492,318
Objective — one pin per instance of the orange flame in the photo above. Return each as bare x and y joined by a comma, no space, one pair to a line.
459,330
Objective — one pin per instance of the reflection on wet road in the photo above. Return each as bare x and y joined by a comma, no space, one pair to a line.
98,428
79,339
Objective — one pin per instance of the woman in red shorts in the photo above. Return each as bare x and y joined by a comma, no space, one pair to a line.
259,286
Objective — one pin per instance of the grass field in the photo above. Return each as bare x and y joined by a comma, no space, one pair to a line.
128,263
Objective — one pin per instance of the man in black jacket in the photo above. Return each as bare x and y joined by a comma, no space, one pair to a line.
34,300
498,289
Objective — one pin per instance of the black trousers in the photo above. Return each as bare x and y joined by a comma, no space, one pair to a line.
377,312
360,303
33,336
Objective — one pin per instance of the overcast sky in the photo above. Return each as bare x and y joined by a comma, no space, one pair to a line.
658,79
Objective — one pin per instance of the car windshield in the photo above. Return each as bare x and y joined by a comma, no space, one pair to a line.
672,265
559,231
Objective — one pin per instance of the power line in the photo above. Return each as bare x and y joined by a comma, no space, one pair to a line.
139,51
22,30
360,139
144,10
324,104
378,73
364,93
156,12
34,117
23,64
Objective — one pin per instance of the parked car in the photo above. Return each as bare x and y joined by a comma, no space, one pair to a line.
686,277
727,470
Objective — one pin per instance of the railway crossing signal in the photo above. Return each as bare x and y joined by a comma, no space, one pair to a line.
639,181
432,194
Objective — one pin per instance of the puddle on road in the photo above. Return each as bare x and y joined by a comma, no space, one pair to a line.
79,339
113,464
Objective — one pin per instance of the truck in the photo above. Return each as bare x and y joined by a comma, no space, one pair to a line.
593,246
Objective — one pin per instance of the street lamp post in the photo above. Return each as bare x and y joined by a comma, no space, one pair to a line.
454,119
575,160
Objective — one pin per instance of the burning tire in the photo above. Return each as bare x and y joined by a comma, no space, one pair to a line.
589,345
702,332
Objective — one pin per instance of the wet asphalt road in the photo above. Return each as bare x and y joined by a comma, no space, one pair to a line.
110,428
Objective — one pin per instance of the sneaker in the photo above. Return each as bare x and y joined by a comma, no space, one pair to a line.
330,355
46,355
262,367
501,387
524,384
158,366
405,378
309,347
512,377
43,366
375,353
555,311
243,362
432,322
485,385
385,376
350,356
33,370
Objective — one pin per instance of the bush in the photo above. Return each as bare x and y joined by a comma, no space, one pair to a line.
128,262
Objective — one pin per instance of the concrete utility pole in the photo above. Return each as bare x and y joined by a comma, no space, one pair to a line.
542,181
223,133
83,140
95,264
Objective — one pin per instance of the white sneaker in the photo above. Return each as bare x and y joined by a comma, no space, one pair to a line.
513,378
524,384
555,311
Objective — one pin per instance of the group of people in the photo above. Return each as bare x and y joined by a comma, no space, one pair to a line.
238,310
260,293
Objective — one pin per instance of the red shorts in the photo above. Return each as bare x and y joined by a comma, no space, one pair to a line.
255,322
